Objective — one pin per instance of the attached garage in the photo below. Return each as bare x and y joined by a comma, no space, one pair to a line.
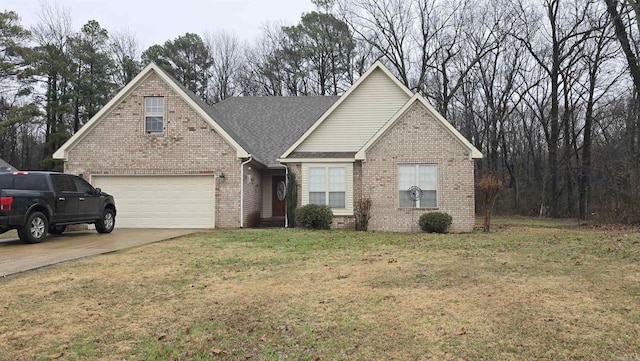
184,201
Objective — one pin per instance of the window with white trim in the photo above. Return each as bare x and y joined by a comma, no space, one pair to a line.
424,176
328,186
153,115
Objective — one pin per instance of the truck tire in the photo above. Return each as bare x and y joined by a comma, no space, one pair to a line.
57,229
35,229
107,222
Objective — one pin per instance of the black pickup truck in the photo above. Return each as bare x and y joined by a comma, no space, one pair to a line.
37,203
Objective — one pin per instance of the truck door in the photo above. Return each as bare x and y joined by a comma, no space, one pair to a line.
66,198
89,203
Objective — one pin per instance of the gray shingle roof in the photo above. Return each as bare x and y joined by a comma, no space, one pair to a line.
213,113
307,155
270,125
264,126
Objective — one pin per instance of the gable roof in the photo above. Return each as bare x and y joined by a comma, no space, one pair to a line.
474,153
376,66
269,125
267,128
208,114
6,167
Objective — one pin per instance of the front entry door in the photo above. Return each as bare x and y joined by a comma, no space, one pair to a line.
278,191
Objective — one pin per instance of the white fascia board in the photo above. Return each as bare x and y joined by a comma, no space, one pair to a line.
474,153
63,152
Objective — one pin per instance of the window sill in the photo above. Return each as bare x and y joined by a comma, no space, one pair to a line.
423,209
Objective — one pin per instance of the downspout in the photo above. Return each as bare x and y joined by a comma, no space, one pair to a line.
286,187
242,189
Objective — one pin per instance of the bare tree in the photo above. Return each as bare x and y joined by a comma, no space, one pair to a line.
553,45
52,35
125,53
226,51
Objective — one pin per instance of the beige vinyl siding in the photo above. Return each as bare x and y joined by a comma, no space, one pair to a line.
359,116
348,210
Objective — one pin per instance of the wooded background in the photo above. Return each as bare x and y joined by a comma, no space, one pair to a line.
548,90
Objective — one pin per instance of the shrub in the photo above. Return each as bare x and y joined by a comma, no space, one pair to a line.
435,222
314,216
363,214
489,186
291,198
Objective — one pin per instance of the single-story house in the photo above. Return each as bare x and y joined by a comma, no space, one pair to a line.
171,160
6,167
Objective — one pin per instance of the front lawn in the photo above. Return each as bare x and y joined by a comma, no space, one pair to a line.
520,293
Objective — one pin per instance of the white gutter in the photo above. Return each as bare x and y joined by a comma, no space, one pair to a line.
286,187
242,189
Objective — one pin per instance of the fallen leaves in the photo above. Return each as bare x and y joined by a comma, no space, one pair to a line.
217,351
460,332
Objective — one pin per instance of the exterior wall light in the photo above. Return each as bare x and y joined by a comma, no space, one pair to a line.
221,176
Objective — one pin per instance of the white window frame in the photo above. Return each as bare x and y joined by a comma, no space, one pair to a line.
326,186
154,109
429,191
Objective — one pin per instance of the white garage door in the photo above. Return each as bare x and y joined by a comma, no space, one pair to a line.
161,201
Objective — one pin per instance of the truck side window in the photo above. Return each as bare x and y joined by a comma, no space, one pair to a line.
81,185
33,182
62,184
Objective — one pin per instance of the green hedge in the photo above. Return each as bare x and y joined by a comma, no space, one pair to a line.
435,222
314,216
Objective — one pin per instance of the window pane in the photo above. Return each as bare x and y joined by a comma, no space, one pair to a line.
62,183
316,180
337,179
81,185
406,176
428,177
429,199
316,198
153,125
154,106
337,199
405,202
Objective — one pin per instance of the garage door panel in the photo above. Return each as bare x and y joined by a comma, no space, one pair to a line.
161,201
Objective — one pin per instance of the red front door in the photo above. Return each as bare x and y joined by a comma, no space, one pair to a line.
278,191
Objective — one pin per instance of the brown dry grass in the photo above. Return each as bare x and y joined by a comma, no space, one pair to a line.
517,293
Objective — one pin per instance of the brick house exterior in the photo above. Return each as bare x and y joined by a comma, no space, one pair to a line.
230,157
401,145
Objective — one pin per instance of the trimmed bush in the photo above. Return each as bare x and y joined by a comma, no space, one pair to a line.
314,216
435,222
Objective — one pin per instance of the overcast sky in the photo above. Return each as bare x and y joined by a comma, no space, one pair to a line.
154,22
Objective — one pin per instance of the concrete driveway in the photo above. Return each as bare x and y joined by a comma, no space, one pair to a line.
18,257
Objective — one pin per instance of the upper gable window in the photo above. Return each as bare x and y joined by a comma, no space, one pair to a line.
153,115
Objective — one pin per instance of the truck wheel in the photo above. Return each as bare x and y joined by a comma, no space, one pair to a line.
107,222
57,229
35,229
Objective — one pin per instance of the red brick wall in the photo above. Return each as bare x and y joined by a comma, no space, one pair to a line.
189,145
418,138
